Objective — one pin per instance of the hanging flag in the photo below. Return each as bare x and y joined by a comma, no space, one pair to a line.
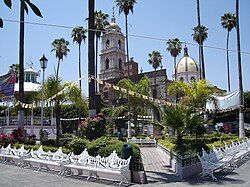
7,85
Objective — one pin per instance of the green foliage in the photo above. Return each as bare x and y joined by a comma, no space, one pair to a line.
45,148
247,99
43,135
77,145
191,146
104,146
93,128
193,95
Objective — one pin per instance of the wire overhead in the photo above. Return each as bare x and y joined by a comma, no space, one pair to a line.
132,35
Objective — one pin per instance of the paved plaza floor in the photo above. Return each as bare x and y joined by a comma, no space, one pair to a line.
13,176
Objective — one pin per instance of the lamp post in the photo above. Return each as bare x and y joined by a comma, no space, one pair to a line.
43,64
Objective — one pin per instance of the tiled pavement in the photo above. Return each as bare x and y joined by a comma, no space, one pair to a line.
159,173
156,165
13,176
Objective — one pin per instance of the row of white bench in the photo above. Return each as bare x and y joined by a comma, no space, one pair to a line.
64,163
224,158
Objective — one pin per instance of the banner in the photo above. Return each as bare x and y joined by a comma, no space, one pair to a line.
7,85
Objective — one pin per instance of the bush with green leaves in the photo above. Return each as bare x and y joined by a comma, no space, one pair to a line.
93,128
77,145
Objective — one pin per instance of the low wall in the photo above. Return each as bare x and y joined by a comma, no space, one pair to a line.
183,167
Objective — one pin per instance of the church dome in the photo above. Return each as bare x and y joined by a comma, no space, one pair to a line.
186,64
114,25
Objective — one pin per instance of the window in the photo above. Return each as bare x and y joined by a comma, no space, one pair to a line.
119,44
107,64
107,44
181,79
120,63
193,79
154,93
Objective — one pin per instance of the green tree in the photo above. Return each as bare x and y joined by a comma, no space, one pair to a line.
101,21
228,22
155,59
125,6
52,87
174,48
241,114
79,34
23,7
195,94
136,104
60,46
200,35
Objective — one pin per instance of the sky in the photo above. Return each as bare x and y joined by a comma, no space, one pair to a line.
160,19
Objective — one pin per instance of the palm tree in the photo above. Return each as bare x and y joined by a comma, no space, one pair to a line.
51,87
79,34
195,94
174,48
200,35
60,46
101,21
228,21
126,6
91,56
199,24
155,59
142,87
23,7
241,114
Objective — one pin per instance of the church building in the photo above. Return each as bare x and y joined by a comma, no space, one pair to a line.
113,67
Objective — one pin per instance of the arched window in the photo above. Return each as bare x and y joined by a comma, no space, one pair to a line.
120,63
107,64
119,44
107,43
193,79
181,79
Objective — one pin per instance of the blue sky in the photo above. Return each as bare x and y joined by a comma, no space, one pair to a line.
163,19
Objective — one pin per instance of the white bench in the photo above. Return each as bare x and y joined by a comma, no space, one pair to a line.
111,165
13,155
46,159
225,157
142,141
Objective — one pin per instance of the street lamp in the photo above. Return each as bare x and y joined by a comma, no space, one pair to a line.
43,64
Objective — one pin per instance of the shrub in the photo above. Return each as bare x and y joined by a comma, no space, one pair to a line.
93,128
78,145
49,142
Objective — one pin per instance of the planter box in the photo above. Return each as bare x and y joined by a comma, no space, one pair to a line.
139,177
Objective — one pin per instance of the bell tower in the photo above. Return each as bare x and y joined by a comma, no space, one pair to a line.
112,57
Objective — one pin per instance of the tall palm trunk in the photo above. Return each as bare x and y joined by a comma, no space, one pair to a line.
241,114
57,116
202,63
80,76
57,70
91,56
228,65
155,95
201,59
96,60
175,76
21,69
126,23
129,125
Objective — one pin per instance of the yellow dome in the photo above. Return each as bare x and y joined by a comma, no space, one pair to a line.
114,25
186,64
